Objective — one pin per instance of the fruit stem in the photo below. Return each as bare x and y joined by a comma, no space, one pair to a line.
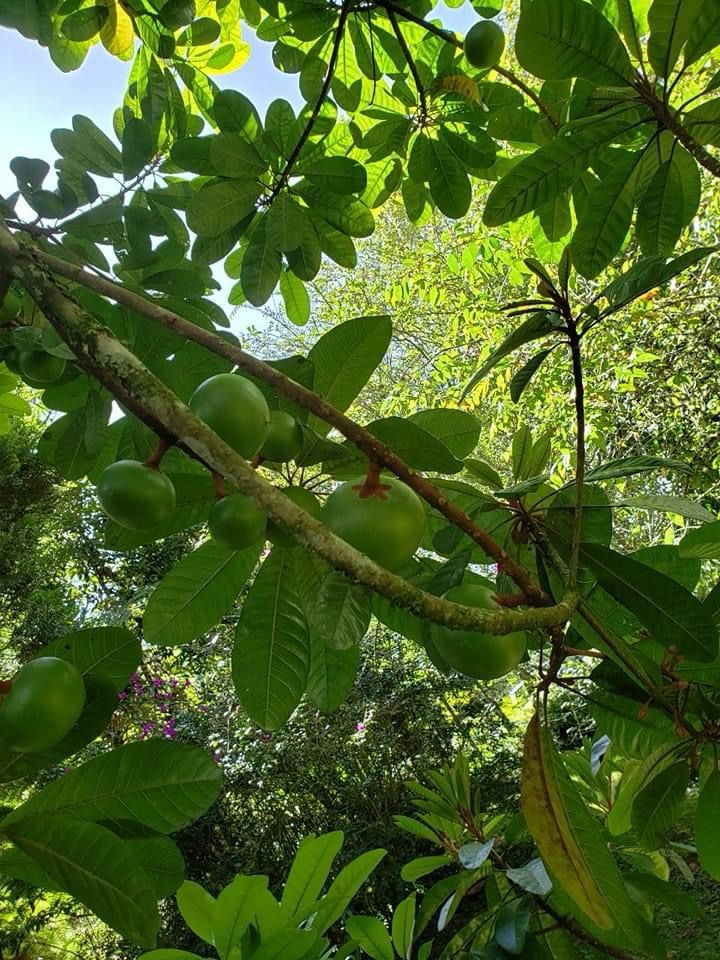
218,483
5,686
155,458
371,486
256,461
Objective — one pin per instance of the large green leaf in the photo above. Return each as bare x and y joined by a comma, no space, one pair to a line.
702,542
537,326
403,926
631,466
97,868
197,592
261,265
415,444
569,838
138,145
308,872
343,888
648,273
241,903
346,213
161,860
218,206
458,429
345,358
340,612
159,783
669,203
596,519
332,673
670,23
562,39
371,933
197,908
271,655
449,183
674,617
338,174
512,923
109,652
605,218
707,817
295,297
635,776
656,806
704,31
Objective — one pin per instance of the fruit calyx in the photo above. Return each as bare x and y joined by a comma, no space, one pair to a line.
371,485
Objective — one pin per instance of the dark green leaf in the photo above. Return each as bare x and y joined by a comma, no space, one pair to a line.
217,207
707,816
670,22
138,146
525,374
109,652
512,923
84,24
702,542
536,326
657,805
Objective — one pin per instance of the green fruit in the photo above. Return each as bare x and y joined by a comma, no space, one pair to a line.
301,498
40,367
483,656
387,526
12,360
237,521
44,703
134,495
10,306
235,409
284,438
484,44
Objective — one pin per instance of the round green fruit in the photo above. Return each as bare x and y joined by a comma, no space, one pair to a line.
12,359
387,525
484,44
483,656
237,521
44,703
301,498
235,409
284,438
134,495
40,367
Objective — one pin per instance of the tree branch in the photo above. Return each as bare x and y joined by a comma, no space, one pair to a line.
579,448
669,120
282,180
410,62
581,934
361,438
99,352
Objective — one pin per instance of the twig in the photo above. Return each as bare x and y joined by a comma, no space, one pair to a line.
410,62
579,448
373,448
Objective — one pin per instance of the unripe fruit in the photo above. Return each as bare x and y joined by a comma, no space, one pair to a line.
284,438
44,703
484,44
237,521
386,525
235,409
40,367
301,498
484,656
12,360
134,495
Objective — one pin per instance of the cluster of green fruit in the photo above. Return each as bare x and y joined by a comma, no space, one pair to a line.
44,702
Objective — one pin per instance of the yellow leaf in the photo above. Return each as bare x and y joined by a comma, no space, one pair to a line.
546,815
457,83
117,32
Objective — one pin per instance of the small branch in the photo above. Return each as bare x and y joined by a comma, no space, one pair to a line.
422,95
100,352
579,449
668,119
581,934
282,180
390,6
361,438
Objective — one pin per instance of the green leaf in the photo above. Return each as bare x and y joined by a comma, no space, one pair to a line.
674,617
562,39
158,783
309,871
95,867
138,146
596,519
473,855
537,325
449,183
525,374
669,203
285,224
112,653
632,466
217,207
340,175
657,805
418,447
166,953
670,22
458,430
704,32
345,358
707,817
343,889
702,543
569,839
241,903
522,445
261,266
332,673
648,273
197,592
162,862
512,923
651,887
84,24
403,925
341,612
532,877
295,297
232,156
347,214
605,218
271,656
372,936
422,866
667,504
196,907
487,475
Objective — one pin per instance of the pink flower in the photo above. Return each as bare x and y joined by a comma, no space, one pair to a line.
203,708
360,727
122,695
217,756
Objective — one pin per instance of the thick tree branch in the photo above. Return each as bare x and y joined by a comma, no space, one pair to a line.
363,440
450,37
98,351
